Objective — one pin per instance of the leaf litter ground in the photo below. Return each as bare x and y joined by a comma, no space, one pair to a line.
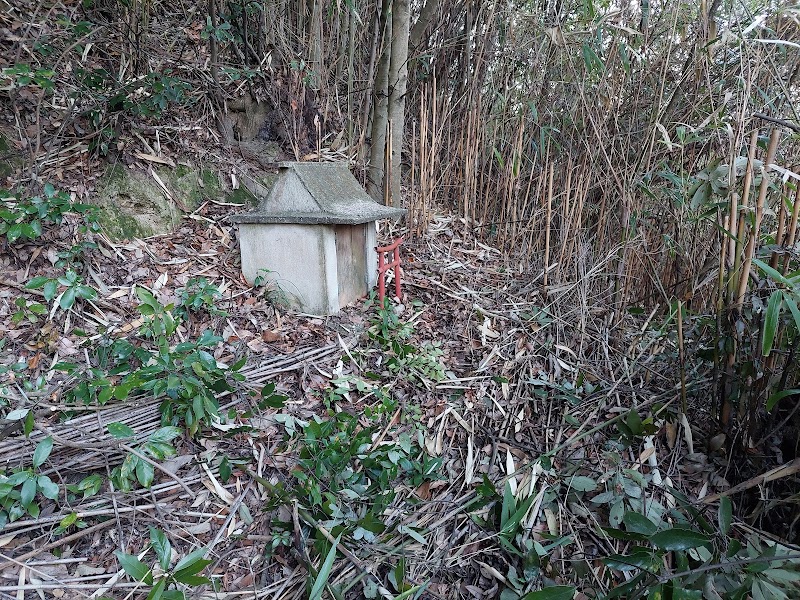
517,373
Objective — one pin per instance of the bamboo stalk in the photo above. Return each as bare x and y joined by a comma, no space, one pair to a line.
779,241
792,235
547,230
753,241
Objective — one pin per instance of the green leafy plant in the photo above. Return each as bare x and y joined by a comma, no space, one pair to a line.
87,487
417,363
163,579
18,491
265,279
346,388
691,555
23,218
198,295
159,320
22,74
107,99
27,311
386,327
347,479
135,468
73,285
222,32
71,520
185,377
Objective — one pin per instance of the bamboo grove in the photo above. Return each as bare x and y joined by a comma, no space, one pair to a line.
646,151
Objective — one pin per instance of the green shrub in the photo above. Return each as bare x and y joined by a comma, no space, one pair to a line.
23,218
18,490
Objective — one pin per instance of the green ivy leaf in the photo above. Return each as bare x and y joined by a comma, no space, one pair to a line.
67,298
86,292
36,283
14,232
225,469
638,559
50,289
29,423
581,483
638,523
165,434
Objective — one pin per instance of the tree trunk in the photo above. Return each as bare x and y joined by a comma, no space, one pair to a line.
398,81
380,108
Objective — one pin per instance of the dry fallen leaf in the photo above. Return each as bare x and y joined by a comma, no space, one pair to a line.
271,336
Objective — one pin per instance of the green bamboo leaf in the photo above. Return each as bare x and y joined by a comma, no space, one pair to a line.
771,322
775,275
509,528
725,514
324,573
556,592
411,591
789,300
778,396
678,539
43,450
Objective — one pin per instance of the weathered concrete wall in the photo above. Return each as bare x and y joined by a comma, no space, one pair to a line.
298,260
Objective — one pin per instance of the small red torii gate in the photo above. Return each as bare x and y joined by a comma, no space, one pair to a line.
384,266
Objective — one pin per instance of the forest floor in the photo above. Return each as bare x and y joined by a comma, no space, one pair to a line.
488,436
476,412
